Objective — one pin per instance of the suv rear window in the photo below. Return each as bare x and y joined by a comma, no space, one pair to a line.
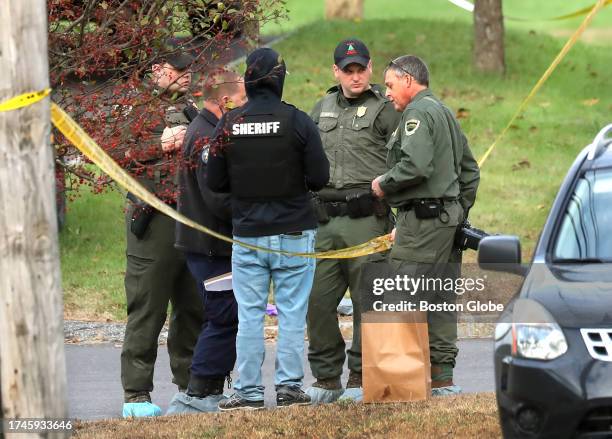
586,228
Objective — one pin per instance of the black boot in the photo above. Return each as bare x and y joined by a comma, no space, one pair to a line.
201,387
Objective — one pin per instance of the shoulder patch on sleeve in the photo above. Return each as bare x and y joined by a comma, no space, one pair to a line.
411,126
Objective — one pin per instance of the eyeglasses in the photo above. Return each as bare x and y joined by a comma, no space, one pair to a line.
395,64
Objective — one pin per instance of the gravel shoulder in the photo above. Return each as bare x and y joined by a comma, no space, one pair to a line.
86,332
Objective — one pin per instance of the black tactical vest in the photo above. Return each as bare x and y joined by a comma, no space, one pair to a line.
265,156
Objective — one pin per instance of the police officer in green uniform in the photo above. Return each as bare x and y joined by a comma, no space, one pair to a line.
355,122
432,180
156,272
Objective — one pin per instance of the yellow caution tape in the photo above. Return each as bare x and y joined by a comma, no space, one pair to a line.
23,100
79,138
566,48
579,12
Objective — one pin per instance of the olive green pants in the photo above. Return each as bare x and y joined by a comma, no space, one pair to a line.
326,348
425,245
156,274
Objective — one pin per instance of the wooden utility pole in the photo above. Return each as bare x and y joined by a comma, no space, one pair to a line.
343,9
489,36
32,366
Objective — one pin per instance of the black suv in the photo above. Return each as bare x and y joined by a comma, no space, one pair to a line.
553,342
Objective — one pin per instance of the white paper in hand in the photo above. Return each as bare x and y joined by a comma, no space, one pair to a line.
219,283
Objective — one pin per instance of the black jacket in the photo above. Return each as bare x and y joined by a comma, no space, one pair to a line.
264,79
196,201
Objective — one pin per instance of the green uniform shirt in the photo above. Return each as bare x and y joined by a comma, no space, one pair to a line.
429,157
354,133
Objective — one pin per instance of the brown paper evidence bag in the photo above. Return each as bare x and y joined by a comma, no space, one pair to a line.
395,356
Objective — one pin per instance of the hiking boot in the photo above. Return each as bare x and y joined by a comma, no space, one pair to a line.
236,402
354,380
328,383
200,387
291,395
441,383
143,396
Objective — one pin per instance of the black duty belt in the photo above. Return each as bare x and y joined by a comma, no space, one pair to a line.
336,208
409,205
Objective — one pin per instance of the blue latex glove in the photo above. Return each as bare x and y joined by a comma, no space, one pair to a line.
140,410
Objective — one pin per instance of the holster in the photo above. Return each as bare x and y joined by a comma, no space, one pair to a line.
319,209
359,205
427,209
141,216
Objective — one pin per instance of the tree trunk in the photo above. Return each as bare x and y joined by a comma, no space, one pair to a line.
32,370
343,9
489,36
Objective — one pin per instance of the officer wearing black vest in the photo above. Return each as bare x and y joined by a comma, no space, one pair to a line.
268,155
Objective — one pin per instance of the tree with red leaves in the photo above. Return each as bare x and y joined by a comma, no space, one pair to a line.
100,53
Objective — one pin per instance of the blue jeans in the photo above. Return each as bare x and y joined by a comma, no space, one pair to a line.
292,278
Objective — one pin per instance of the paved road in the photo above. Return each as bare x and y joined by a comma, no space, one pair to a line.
94,384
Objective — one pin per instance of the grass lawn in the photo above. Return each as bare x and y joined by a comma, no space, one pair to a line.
302,12
467,416
518,182
92,248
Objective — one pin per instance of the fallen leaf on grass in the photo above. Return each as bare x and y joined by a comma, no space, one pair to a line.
590,102
540,206
463,113
523,164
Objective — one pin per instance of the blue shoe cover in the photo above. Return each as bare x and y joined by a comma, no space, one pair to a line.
183,403
446,391
140,410
323,396
354,394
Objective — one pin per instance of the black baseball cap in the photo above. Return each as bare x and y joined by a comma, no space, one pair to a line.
351,51
179,57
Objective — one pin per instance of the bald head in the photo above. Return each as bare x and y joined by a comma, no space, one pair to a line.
224,83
